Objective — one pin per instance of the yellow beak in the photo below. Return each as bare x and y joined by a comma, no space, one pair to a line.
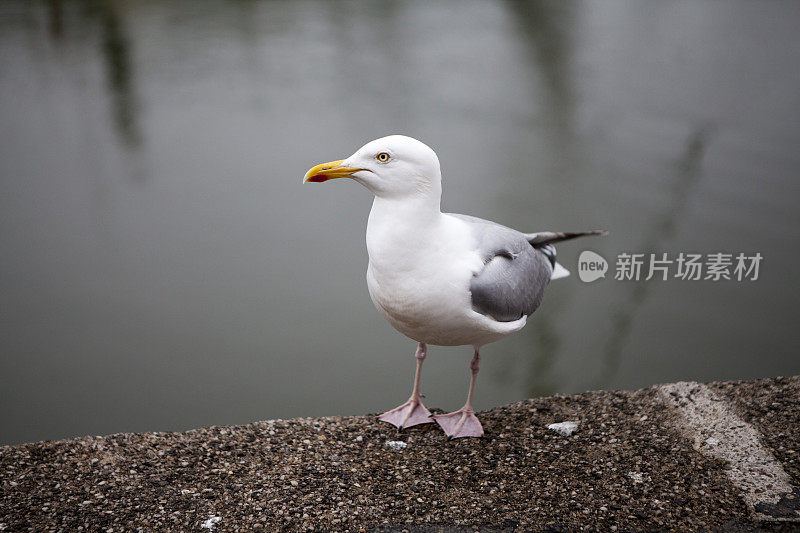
329,171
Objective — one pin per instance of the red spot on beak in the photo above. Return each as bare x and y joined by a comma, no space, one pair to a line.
318,178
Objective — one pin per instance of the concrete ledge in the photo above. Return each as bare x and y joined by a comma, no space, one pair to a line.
639,460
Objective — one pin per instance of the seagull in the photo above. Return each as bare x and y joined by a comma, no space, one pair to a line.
441,278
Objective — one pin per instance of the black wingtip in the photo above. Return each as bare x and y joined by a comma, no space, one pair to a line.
539,240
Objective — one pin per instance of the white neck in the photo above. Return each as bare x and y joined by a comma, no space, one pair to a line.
416,207
398,228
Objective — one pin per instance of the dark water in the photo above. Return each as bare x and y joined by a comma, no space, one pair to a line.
163,268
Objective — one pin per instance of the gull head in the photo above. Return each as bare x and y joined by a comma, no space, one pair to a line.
394,166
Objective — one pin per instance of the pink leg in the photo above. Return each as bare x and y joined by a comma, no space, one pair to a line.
463,423
412,412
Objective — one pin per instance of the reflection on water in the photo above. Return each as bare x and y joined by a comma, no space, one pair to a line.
116,54
119,71
56,18
221,291
543,30
663,228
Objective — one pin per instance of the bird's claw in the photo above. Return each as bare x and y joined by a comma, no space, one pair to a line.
411,413
461,423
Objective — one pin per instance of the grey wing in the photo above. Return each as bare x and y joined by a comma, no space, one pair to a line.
514,275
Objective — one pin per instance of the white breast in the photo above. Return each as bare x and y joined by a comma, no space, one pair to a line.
419,275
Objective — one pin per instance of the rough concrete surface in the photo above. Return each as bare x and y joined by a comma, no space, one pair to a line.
628,467
718,431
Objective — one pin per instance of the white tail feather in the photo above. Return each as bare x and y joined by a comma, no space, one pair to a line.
559,272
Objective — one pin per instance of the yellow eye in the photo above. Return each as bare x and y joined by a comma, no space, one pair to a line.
383,157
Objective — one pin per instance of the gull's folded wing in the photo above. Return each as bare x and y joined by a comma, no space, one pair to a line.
515,274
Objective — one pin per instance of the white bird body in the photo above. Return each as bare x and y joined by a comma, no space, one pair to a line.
441,278
421,262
